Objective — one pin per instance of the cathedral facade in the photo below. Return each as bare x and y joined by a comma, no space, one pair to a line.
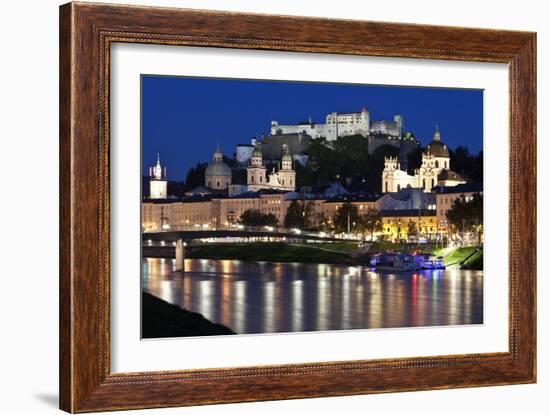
434,171
258,178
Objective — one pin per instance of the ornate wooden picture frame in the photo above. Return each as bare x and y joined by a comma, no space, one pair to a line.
87,32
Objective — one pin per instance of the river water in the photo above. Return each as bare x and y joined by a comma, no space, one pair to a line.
263,297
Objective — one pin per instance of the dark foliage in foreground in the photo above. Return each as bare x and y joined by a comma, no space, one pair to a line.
161,319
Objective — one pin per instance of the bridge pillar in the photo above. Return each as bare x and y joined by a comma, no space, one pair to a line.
180,255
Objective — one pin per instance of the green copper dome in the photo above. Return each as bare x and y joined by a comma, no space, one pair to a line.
217,168
257,152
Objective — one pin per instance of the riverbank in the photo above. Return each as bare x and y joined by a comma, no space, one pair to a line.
270,252
470,257
344,253
162,319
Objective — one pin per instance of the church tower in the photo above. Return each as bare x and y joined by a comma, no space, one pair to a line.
391,164
256,171
287,176
434,160
158,185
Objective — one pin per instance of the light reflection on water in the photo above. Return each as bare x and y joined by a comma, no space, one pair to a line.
262,297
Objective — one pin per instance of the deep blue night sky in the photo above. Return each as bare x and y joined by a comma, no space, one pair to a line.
184,118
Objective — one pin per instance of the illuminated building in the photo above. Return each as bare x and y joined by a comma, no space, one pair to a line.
158,186
435,170
209,212
446,196
258,178
395,224
361,202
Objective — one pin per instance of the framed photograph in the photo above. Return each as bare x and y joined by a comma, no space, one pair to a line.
260,207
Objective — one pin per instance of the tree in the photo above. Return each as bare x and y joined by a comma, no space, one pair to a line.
371,222
414,159
346,218
467,215
346,160
412,229
271,220
299,215
253,217
195,176
324,222
465,163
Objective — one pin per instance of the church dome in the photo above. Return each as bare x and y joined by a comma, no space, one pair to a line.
217,168
437,148
257,152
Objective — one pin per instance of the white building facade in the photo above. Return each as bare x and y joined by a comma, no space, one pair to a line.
434,171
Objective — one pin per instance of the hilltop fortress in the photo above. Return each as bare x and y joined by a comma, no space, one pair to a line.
336,125
341,124
378,133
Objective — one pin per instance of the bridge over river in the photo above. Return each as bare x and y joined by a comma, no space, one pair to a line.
182,237
188,235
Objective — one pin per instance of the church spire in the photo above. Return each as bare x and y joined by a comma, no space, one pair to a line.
218,156
157,181
155,172
437,136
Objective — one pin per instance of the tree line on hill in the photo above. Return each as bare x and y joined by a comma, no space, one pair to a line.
350,163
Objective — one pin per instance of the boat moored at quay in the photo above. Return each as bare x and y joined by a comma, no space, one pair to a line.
397,261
